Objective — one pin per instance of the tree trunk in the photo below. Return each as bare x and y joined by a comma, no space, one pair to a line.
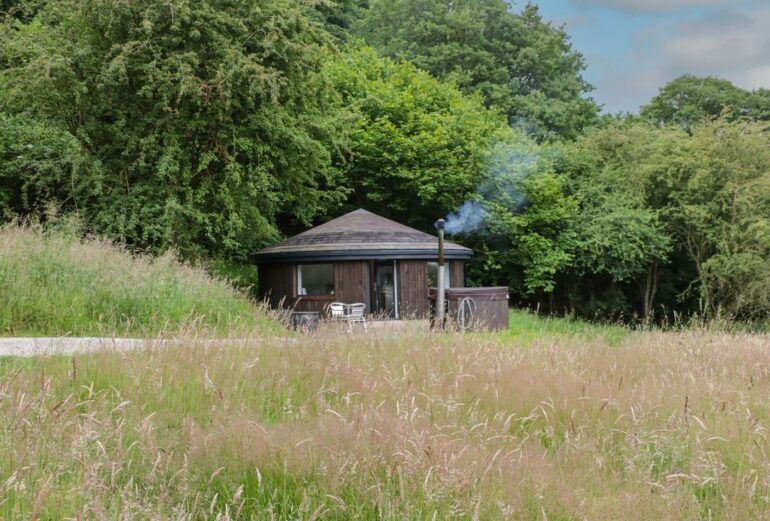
648,287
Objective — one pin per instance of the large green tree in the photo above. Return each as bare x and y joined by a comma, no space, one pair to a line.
720,208
518,62
208,118
417,146
621,241
525,235
687,100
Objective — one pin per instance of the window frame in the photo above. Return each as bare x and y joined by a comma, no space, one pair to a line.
298,281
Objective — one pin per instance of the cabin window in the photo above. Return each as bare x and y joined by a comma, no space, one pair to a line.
315,280
433,275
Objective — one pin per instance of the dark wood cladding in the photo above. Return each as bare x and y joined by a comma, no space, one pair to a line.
276,283
491,306
413,289
352,282
457,274
318,304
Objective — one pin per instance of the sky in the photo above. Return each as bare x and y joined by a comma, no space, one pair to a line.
632,48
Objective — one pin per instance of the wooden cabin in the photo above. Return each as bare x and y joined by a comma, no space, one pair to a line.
358,257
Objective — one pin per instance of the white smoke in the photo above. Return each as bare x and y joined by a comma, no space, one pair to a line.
468,218
510,163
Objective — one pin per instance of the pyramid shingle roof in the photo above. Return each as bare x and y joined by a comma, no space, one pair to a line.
360,235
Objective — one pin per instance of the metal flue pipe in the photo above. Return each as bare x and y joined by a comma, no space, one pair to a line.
440,224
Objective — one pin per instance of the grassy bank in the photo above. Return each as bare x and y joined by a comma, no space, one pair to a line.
669,426
52,283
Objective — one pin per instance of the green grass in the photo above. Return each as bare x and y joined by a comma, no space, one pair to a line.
54,283
527,328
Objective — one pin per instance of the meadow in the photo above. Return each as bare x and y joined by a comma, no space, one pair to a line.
53,282
557,426
553,419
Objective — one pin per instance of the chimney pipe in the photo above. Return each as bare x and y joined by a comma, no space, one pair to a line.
440,224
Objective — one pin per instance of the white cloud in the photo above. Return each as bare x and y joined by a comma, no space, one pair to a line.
732,44
725,41
654,6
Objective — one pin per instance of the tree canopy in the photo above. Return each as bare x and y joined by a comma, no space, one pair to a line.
217,127
687,100
208,118
519,63
417,146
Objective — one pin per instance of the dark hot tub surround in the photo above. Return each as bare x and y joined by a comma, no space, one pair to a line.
476,308
359,257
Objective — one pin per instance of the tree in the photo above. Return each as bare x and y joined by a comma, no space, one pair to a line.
620,240
417,146
339,16
721,211
208,118
687,100
519,63
24,10
696,203
39,165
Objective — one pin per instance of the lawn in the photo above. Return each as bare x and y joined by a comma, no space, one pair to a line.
527,327
563,425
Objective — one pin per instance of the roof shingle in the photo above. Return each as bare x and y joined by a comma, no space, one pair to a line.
360,234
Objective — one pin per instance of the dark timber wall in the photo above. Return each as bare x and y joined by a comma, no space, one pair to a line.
352,283
457,274
413,289
276,283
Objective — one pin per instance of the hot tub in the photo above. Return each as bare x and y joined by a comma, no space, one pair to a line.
475,308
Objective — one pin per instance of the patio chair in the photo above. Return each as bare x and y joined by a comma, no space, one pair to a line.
356,314
337,311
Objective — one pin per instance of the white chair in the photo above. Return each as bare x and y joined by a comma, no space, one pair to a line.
356,314
337,311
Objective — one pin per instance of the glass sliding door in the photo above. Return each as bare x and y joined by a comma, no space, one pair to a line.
386,289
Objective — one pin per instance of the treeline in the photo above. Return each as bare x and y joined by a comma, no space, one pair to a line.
216,127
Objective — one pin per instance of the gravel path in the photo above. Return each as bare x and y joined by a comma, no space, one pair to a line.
46,346
43,346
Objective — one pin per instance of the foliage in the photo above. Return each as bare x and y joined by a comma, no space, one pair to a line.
339,16
417,146
687,100
24,10
527,216
53,283
721,211
208,118
40,163
519,63
698,200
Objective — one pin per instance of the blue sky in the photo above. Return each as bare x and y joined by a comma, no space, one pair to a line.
634,47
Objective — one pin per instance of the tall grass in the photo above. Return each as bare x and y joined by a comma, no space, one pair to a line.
53,283
670,426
